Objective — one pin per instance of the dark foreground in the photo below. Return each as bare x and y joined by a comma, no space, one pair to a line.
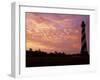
36,61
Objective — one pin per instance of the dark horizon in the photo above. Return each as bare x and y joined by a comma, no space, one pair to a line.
53,52
39,58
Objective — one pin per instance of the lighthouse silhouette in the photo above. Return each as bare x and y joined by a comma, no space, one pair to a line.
83,40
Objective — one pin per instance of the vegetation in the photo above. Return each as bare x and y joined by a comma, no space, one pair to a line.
41,58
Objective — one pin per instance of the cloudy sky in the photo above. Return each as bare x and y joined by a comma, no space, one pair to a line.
55,32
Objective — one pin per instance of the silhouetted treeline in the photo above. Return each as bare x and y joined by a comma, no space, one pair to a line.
41,58
31,53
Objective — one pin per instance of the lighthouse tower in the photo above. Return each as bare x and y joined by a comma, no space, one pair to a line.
83,40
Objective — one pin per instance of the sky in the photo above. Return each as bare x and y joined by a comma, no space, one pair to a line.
55,32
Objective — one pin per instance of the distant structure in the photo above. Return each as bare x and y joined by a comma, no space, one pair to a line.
30,50
83,40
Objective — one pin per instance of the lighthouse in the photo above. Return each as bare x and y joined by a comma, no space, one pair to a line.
83,40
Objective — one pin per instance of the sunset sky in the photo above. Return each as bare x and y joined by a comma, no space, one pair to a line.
55,32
